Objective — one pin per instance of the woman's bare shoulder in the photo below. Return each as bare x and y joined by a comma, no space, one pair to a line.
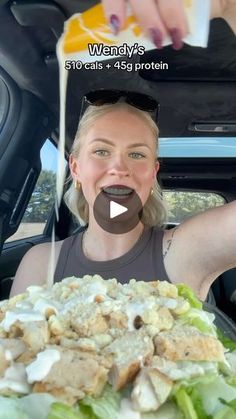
34,266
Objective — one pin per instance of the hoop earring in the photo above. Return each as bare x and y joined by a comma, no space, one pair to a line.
77,185
152,191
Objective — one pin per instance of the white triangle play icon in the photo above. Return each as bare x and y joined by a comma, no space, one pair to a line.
116,209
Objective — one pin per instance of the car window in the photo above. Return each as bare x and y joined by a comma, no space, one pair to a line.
199,147
182,205
42,199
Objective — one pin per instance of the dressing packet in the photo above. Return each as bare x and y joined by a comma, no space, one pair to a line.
85,30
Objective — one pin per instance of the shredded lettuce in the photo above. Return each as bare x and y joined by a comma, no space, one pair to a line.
105,407
168,410
232,403
206,380
198,403
11,408
213,393
225,413
228,367
200,325
206,397
201,321
188,294
63,411
231,381
33,406
185,404
209,397
226,342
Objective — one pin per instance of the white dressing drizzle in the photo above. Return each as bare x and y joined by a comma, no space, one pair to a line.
96,287
61,146
12,317
15,379
61,171
13,348
42,305
186,369
8,355
24,305
32,289
39,369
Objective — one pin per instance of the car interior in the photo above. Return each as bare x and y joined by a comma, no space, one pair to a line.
197,100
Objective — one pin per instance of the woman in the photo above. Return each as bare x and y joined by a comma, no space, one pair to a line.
116,144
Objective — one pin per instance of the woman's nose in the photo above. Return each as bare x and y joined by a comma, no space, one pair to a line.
119,165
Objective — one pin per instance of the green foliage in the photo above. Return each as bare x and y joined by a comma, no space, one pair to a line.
42,199
183,205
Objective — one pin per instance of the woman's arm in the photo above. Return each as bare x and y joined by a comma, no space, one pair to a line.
33,269
202,248
225,9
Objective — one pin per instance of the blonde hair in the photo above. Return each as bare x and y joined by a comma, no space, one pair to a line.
154,210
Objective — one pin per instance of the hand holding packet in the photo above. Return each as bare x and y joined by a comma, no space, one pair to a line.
85,29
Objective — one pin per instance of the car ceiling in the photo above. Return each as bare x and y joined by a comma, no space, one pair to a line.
198,87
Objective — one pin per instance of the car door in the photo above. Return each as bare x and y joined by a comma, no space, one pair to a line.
25,124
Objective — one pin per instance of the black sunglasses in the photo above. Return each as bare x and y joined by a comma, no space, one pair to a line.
104,97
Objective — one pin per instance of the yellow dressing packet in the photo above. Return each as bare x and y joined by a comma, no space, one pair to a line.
91,27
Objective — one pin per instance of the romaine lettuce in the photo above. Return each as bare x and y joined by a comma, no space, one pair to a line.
231,381
185,404
188,294
225,413
11,408
213,393
33,406
202,320
63,411
209,397
169,410
105,407
226,342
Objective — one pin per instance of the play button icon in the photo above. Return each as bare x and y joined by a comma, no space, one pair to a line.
116,209
117,214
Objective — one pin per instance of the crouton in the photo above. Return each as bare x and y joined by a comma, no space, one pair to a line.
35,334
88,320
187,343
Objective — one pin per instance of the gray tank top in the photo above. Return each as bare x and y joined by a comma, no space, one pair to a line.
143,262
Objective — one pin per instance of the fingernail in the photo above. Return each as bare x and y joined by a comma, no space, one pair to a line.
177,42
156,36
115,24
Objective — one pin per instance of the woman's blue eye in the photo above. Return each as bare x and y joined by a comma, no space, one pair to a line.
101,152
136,155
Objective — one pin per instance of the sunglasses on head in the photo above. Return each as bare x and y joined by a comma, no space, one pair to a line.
138,100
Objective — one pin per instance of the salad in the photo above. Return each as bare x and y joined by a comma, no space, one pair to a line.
88,348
